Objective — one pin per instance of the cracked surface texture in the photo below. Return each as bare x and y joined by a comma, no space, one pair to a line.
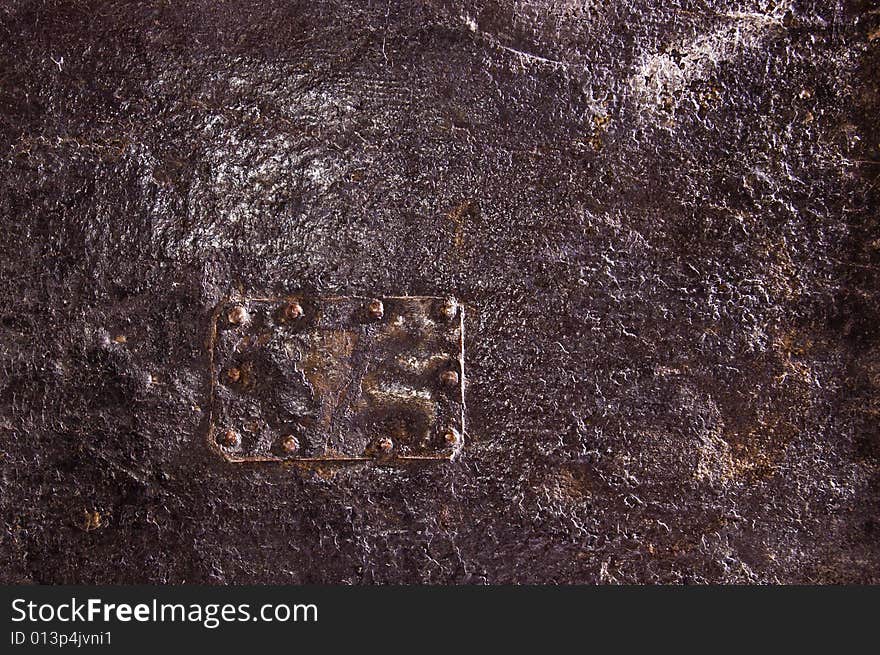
660,216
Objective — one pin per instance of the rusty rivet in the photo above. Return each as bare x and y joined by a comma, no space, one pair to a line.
233,375
385,445
293,311
92,520
238,315
228,439
449,309
449,378
290,444
451,437
375,308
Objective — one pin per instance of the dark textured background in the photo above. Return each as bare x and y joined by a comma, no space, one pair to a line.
662,217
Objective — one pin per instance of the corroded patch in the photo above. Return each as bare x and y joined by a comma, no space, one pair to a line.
337,379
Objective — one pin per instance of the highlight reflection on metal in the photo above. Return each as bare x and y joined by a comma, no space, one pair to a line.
341,379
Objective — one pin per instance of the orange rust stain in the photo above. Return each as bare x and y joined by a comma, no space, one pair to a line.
327,367
458,215
761,422
92,520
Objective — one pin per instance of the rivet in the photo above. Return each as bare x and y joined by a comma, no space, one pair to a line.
228,439
233,375
385,445
451,437
238,315
92,520
293,311
449,378
290,444
448,309
375,308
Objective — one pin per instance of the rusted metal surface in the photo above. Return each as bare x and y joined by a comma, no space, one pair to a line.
343,379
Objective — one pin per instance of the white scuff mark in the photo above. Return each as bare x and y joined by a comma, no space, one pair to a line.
527,56
417,365
398,391
524,56
320,173
664,75
247,177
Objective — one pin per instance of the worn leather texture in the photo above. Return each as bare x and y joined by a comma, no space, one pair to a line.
661,218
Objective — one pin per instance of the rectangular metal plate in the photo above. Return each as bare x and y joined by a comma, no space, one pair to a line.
341,379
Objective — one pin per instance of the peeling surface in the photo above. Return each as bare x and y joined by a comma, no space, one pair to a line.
661,216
